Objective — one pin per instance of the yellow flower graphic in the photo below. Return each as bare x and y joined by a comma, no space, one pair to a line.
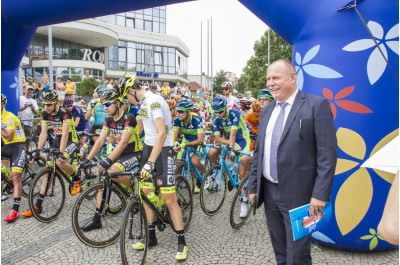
374,238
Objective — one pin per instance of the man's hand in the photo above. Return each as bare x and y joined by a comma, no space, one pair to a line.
104,164
232,155
147,170
84,163
253,198
316,206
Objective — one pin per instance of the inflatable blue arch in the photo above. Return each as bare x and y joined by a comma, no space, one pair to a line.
346,52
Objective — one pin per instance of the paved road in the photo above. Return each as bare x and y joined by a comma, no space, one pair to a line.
28,241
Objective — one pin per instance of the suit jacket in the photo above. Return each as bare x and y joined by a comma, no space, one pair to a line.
307,152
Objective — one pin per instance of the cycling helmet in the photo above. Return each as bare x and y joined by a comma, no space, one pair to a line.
49,97
245,102
153,87
128,81
185,105
171,104
226,85
110,95
3,99
196,108
177,98
219,103
68,101
255,106
265,93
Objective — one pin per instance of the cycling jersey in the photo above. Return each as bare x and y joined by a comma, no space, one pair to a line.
253,120
192,129
56,121
232,102
126,122
152,107
77,112
233,120
99,114
10,122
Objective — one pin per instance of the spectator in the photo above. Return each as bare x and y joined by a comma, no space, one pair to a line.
70,87
87,74
28,109
110,84
166,90
60,88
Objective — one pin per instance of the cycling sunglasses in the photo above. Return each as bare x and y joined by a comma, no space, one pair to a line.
107,104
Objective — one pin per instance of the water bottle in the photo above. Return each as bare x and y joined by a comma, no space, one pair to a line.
152,197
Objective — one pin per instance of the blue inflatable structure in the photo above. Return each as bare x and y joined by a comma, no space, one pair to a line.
346,52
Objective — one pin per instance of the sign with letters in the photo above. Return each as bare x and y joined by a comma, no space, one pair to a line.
145,74
93,56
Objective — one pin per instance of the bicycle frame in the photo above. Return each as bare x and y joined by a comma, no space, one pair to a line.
188,152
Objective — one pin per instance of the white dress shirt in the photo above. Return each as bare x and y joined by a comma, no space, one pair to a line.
268,134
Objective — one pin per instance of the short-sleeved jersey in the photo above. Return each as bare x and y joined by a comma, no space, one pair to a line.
232,102
234,120
192,129
56,121
10,122
99,114
126,122
77,112
153,107
253,120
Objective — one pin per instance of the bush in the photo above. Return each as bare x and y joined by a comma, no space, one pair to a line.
87,87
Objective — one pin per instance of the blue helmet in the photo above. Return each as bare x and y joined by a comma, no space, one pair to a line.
265,93
219,103
185,104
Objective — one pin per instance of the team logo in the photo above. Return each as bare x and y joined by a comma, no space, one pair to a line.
155,105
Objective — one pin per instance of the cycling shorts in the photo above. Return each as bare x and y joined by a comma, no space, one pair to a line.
17,154
70,149
129,161
164,165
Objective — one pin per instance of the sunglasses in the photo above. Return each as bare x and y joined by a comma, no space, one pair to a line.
264,99
225,89
68,106
180,111
107,104
47,105
219,112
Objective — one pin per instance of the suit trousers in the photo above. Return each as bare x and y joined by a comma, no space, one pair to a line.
280,231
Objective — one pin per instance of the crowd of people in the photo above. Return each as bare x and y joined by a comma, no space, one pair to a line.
144,122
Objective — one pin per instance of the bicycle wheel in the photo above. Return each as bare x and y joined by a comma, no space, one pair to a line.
134,228
30,171
181,169
240,210
213,190
84,210
52,187
185,200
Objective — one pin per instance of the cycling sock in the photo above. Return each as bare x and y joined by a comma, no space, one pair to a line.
17,202
39,201
181,238
97,214
152,231
244,200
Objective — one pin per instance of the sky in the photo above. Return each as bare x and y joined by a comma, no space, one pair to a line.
235,30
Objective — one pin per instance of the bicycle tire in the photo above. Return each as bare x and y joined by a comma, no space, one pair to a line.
234,215
209,200
30,171
84,210
181,170
184,197
134,228
51,204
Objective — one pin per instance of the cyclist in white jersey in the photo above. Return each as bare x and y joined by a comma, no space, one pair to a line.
232,101
157,156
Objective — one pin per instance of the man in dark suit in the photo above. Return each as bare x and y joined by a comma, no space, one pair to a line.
294,160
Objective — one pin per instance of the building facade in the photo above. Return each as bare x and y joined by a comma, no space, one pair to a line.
109,46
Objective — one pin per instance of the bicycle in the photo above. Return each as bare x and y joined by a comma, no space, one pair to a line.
112,204
215,182
29,173
50,183
134,227
186,168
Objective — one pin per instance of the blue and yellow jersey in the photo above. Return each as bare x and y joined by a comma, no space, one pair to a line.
192,129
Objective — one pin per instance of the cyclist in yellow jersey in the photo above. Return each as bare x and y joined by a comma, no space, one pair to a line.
12,134
60,121
126,155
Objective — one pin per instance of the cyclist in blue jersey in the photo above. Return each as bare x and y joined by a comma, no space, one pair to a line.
193,134
236,135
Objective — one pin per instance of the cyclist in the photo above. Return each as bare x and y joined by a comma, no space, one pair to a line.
157,156
233,102
13,137
77,113
193,134
253,120
122,126
60,121
265,98
245,105
231,122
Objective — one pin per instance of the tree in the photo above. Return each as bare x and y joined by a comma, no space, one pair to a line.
87,87
253,77
219,78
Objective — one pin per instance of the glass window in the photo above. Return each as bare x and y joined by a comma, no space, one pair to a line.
148,11
171,70
171,59
140,56
130,23
162,28
76,71
140,16
165,58
139,11
122,65
139,24
162,7
130,14
156,27
157,48
113,53
156,12
120,21
122,43
148,25
131,45
112,64
132,67
156,19
131,56
158,68
165,70
163,14
171,50
122,54
74,52
158,58
65,50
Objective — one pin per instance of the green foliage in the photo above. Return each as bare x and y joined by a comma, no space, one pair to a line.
87,87
219,78
253,77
